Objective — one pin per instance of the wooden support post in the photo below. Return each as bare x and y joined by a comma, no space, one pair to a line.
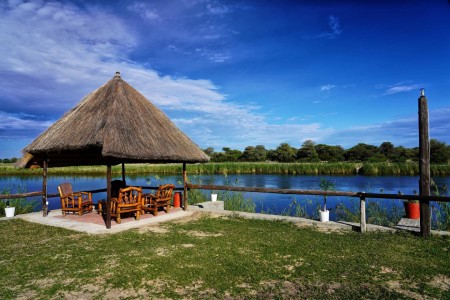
424,167
362,206
44,189
123,174
108,196
185,196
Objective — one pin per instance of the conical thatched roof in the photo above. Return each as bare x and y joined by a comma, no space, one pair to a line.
113,124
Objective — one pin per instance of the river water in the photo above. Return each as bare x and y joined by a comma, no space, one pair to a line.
274,203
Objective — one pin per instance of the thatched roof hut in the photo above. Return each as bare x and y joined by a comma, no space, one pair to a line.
114,124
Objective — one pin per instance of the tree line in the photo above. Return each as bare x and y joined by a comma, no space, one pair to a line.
312,152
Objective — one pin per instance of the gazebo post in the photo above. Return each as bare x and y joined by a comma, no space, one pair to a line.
185,196
44,189
108,196
123,174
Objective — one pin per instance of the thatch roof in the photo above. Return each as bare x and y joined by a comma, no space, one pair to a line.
113,124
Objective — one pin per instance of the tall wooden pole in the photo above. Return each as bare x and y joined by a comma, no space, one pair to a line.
108,196
185,196
44,189
424,166
123,174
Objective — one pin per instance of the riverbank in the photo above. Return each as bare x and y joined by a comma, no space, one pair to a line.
345,168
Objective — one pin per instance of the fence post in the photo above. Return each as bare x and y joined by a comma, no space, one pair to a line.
108,196
362,206
185,195
424,166
44,189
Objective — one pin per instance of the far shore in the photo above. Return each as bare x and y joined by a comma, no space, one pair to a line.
296,168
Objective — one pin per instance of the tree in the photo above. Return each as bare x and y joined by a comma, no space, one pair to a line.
227,155
387,149
285,153
402,154
361,152
249,154
439,152
257,153
307,151
260,153
209,151
330,153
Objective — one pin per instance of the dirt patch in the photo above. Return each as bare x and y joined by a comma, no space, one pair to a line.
162,251
197,216
202,234
156,228
321,228
441,282
386,270
397,287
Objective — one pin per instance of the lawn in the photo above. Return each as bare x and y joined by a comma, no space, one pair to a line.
227,258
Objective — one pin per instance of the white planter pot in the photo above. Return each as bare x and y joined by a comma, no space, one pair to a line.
213,197
9,211
324,216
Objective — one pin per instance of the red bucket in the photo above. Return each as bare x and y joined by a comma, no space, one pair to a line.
177,199
412,210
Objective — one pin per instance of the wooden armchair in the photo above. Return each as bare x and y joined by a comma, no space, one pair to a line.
74,202
162,198
128,201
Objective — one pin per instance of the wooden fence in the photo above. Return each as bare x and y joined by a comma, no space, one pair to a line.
361,195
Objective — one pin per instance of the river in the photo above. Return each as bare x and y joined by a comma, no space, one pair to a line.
273,203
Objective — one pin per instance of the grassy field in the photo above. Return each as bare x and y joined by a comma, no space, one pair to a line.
244,168
225,258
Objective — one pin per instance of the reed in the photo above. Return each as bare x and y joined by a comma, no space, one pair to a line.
22,205
304,209
398,169
225,168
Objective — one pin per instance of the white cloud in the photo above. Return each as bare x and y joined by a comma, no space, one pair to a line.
143,10
14,126
402,132
215,8
327,87
401,88
334,28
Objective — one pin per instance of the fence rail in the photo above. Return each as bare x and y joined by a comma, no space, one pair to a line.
318,192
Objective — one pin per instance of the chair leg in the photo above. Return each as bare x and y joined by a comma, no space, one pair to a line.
138,215
168,208
80,212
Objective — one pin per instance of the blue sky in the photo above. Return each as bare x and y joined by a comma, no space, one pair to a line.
233,73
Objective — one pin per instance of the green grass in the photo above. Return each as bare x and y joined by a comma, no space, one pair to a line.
210,258
343,168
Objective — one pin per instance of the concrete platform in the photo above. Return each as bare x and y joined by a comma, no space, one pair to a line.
94,223
409,224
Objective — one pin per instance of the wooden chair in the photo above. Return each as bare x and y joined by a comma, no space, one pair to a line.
128,201
79,202
162,198
116,185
